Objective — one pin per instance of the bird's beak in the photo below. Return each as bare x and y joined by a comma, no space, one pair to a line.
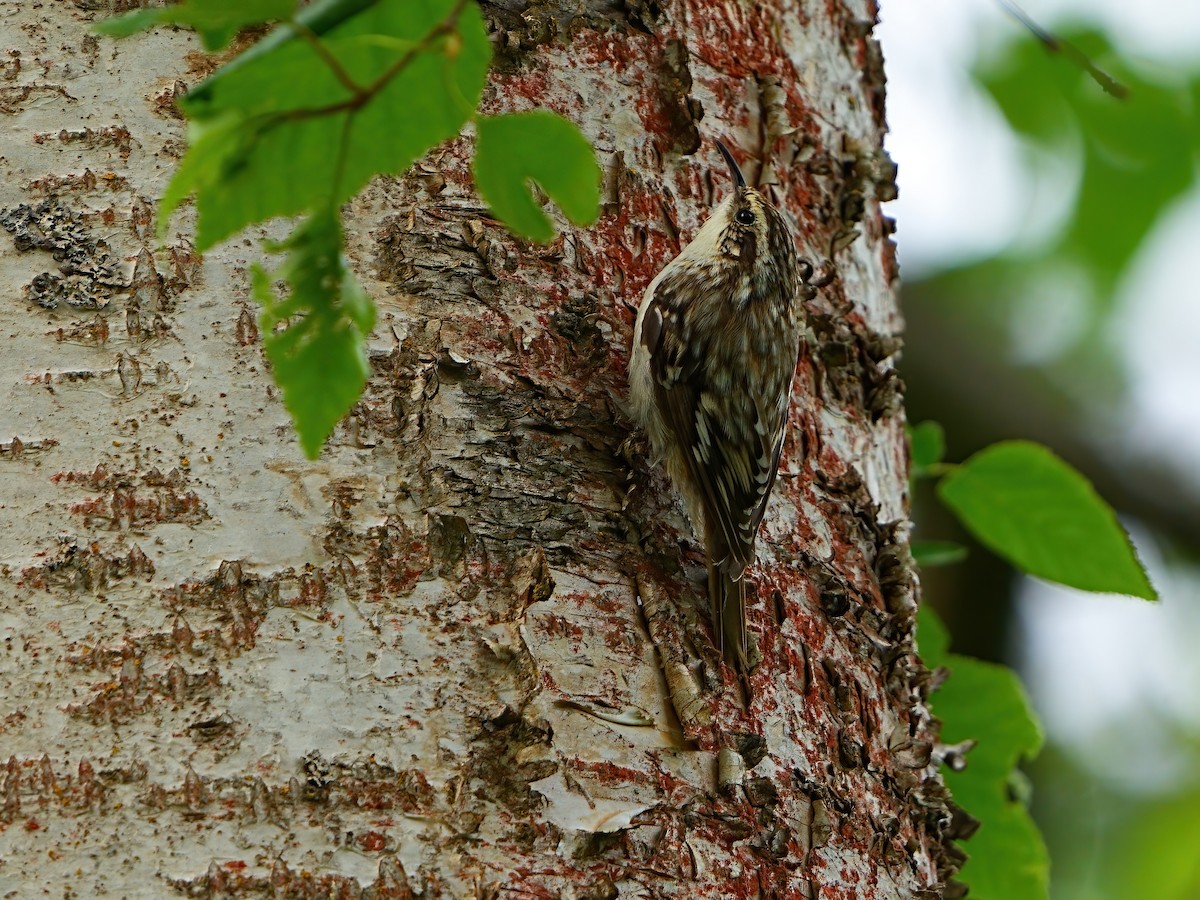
738,180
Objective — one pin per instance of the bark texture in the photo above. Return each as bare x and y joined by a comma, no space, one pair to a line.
464,654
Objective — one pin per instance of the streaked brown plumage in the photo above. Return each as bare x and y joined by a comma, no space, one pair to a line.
714,352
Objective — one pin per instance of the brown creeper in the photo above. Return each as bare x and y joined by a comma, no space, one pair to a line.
715,348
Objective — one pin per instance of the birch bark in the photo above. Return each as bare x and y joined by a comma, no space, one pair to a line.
464,654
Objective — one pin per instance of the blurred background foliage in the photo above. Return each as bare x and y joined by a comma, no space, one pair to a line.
1031,341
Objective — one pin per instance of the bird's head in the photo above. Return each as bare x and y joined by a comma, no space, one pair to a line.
747,237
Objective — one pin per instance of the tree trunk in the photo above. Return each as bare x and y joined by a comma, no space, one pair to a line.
466,653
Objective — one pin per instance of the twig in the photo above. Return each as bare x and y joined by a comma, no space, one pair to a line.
442,29
361,95
1056,45
364,95
335,65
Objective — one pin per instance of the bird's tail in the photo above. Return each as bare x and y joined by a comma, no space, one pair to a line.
727,599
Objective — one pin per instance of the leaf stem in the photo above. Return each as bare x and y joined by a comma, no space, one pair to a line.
339,168
938,470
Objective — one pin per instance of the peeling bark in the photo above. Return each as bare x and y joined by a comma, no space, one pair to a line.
465,653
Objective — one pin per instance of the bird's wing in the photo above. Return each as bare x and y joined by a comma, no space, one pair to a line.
729,445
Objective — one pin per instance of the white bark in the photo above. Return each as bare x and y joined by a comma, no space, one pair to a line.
454,657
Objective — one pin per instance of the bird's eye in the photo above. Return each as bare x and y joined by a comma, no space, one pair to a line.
745,217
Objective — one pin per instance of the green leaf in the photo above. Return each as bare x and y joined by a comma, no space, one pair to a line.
984,702
937,553
131,22
299,138
318,358
1157,849
214,146
536,146
933,640
1028,506
927,445
216,21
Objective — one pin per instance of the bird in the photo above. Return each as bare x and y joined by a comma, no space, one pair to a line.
715,347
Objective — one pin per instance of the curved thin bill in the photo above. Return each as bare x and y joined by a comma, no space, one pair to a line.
738,179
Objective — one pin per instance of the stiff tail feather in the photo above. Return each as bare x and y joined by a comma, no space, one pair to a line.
727,599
